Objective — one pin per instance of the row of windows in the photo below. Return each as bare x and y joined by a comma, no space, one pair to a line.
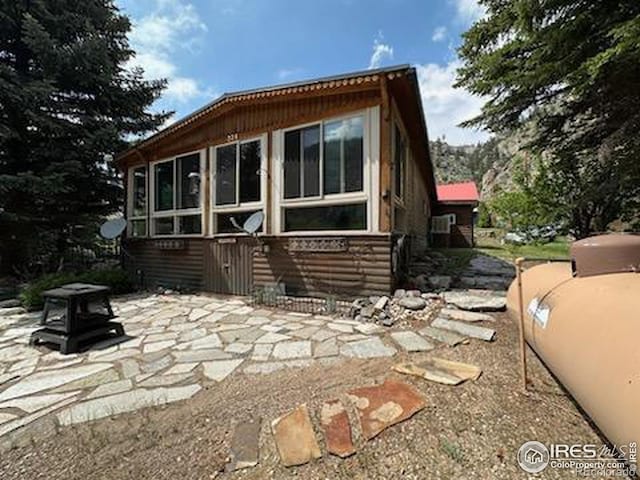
320,163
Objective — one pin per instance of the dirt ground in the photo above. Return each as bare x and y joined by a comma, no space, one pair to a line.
470,431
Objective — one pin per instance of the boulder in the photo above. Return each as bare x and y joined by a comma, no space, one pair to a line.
399,293
440,282
381,304
412,303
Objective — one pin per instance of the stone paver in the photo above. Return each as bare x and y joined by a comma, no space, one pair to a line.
124,402
384,405
220,369
272,337
294,437
245,446
370,348
337,430
465,316
445,336
287,350
476,300
174,345
482,333
412,342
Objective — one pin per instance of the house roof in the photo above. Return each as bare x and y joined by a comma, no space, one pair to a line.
330,82
465,192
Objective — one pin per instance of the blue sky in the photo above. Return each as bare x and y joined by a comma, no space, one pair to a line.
207,47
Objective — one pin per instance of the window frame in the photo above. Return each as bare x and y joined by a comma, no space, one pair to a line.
130,188
237,207
175,212
370,175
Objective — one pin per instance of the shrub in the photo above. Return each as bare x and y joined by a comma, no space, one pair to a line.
116,279
484,216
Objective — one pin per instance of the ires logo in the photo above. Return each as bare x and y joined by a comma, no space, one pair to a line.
561,451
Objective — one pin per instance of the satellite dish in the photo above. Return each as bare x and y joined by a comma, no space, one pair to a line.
113,228
253,223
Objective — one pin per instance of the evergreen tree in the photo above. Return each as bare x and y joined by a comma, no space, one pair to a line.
568,69
67,103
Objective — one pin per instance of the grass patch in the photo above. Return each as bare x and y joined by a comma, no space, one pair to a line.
452,450
556,250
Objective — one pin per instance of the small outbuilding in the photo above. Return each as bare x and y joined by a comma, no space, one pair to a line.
452,224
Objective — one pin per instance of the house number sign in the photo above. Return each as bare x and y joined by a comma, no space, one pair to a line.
317,244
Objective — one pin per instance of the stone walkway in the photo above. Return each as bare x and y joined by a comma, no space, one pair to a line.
175,344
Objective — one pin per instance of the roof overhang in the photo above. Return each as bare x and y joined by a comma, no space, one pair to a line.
355,80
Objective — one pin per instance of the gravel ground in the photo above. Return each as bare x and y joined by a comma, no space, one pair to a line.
470,431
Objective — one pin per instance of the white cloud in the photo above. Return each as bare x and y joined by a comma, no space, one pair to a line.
381,52
445,107
171,27
468,11
439,34
287,73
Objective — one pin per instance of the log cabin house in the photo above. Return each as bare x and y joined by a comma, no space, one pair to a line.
340,167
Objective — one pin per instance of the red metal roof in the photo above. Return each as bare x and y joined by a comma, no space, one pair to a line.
458,192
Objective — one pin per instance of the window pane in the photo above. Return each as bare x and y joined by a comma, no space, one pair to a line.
343,163
163,226
336,217
188,181
189,224
139,194
226,175
164,186
353,154
332,157
292,164
224,225
311,146
250,172
138,228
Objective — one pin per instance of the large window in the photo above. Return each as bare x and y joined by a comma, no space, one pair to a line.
339,157
323,177
237,179
237,173
138,201
177,206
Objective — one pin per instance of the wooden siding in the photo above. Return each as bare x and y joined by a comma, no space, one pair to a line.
168,268
461,235
248,121
363,269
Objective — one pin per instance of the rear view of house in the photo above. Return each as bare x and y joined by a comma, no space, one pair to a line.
339,167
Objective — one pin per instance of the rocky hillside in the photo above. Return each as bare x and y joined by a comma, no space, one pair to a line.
488,164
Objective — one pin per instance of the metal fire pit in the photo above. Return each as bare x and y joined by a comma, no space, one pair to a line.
74,314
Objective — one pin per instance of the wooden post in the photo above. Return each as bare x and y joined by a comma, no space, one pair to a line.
523,345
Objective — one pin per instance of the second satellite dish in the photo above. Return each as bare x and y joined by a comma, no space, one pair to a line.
251,224
113,228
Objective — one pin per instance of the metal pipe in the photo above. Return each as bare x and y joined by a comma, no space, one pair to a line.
523,344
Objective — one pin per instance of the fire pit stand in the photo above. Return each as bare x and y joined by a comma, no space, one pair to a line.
75,313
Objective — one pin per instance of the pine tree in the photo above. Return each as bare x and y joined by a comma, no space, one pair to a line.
569,70
67,102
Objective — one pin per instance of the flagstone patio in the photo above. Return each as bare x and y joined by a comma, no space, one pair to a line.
174,345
